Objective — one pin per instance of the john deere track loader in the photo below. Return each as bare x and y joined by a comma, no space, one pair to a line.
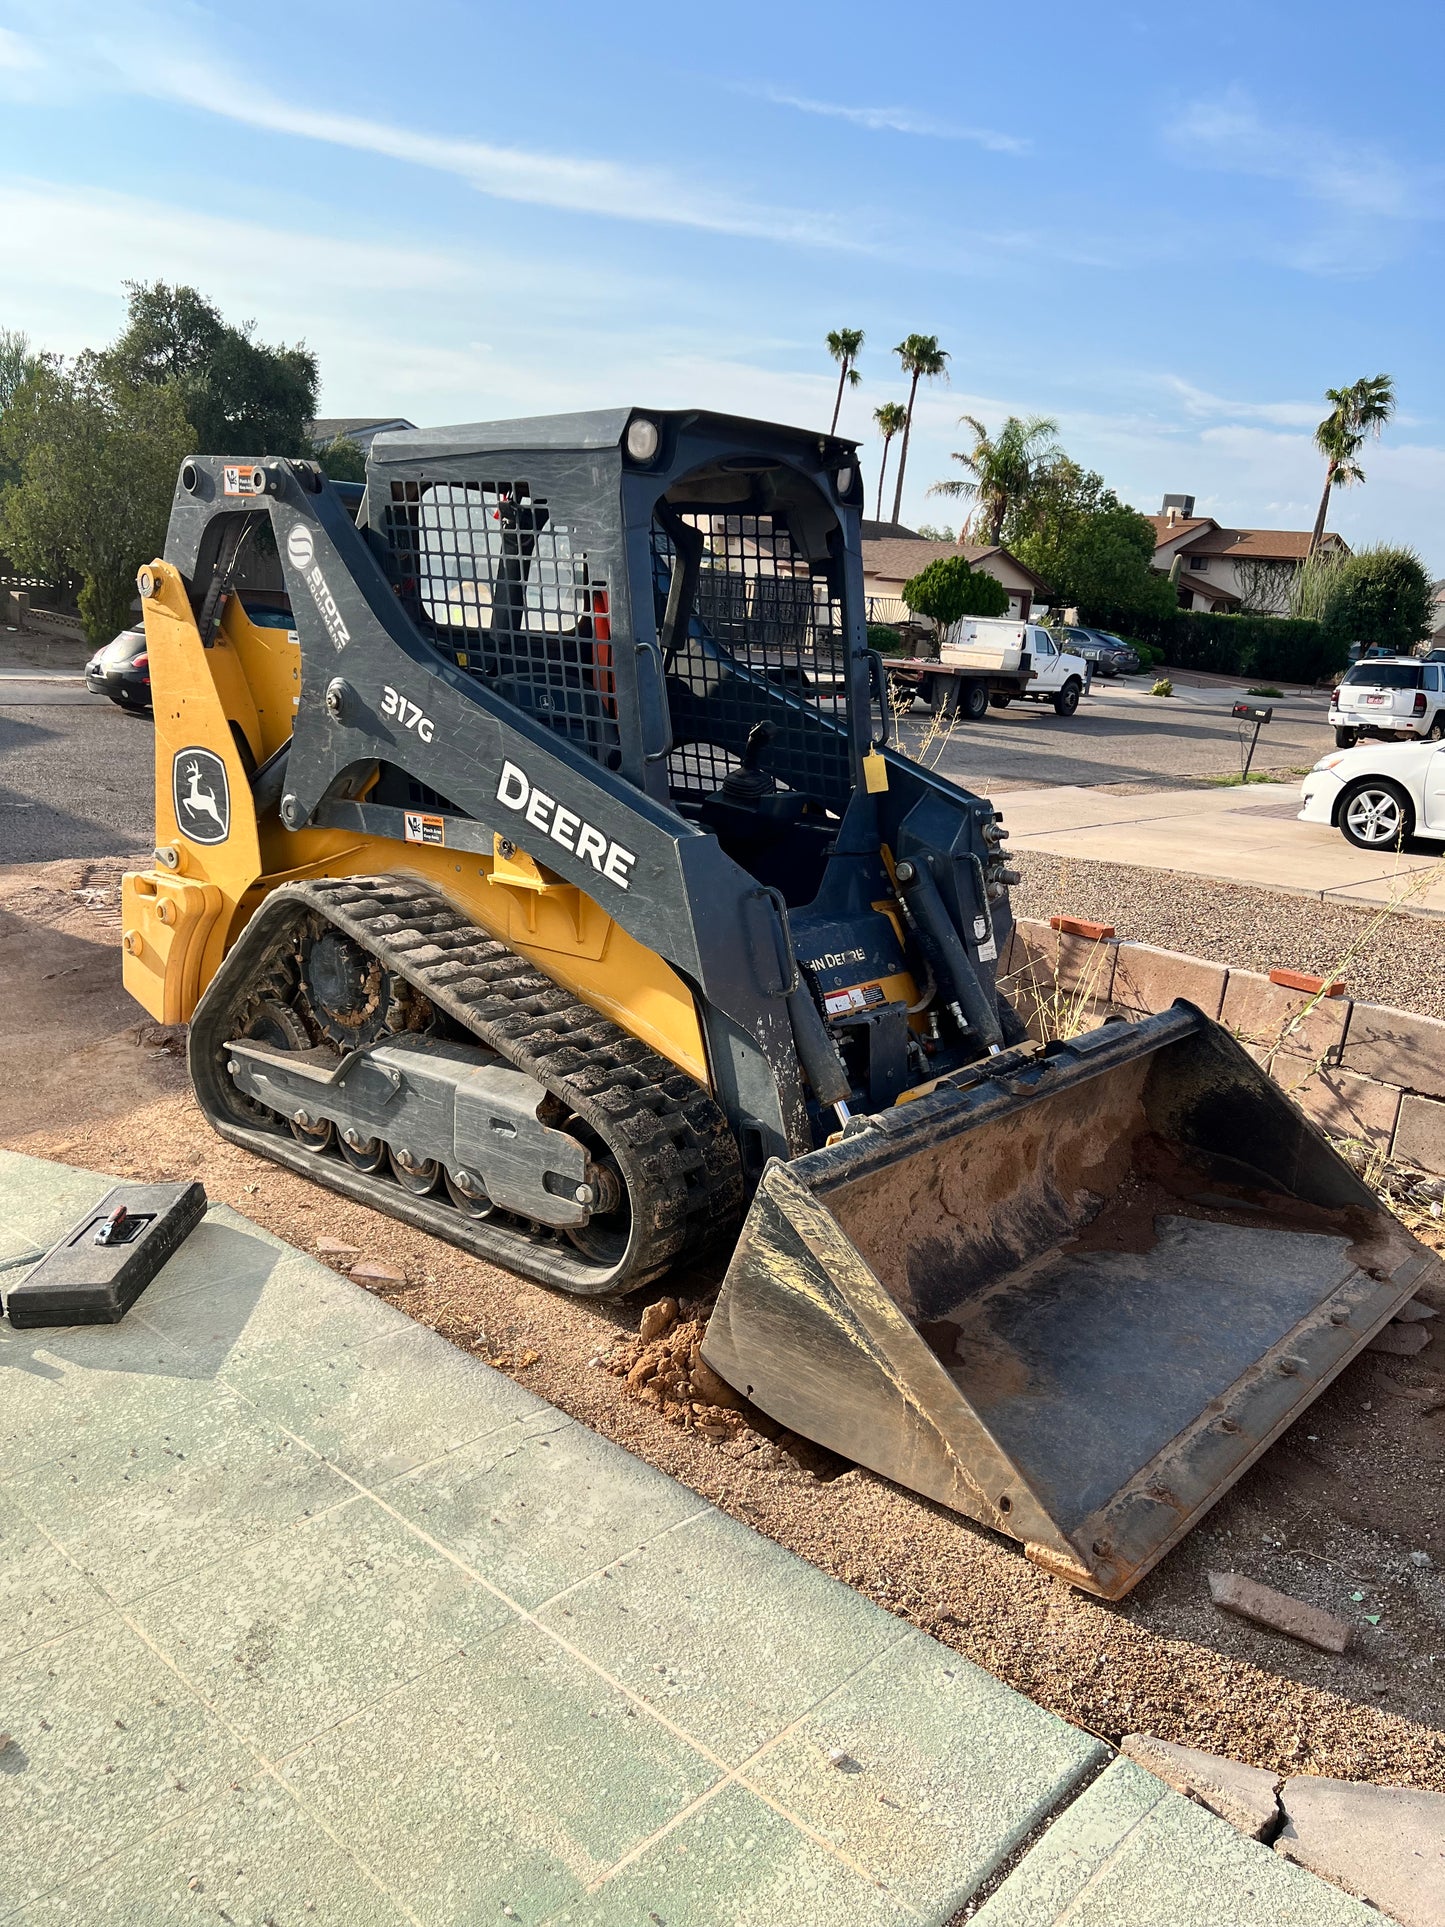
532,863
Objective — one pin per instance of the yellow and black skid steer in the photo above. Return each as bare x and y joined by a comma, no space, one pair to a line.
532,862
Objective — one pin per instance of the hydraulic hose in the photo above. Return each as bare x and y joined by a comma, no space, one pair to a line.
949,959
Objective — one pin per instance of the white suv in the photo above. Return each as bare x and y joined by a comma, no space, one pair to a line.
1399,698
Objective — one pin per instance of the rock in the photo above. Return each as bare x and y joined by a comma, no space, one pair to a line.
334,1248
658,1319
1400,1341
1242,1795
641,1372
1422,1560
1414,1313
371,1271
1278,1612
1384,1843
711,1389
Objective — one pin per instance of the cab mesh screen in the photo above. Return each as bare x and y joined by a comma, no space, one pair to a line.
759,639
502,590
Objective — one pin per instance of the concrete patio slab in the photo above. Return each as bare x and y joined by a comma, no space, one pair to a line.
1131,1853
447,1651
355,1629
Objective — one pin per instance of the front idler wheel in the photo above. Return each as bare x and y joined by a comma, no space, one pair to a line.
605,1236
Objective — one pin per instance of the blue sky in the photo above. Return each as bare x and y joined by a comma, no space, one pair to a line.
1172,231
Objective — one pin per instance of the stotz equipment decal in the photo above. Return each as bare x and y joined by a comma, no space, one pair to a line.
516,792
201,795
301,554
243,478
424,829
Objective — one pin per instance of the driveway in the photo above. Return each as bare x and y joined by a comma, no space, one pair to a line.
1244,835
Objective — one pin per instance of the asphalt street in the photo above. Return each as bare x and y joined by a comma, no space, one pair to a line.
76,773
1122,734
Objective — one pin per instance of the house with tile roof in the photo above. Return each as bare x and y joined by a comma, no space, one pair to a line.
893,555
1230,570
361,429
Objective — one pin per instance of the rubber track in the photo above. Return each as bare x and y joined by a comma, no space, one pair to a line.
671,1141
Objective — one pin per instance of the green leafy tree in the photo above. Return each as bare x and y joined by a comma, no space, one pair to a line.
342,459
96,458
949,589
1094,552
17,364
241,396
1378,596
890,420
1356,412
935,532
844,345
1003,470
922,360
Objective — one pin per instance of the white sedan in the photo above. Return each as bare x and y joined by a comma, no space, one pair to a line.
1380,794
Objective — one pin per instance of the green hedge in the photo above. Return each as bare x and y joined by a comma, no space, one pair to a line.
885,639
1257,646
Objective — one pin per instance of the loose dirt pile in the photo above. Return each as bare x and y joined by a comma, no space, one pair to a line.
1337,1513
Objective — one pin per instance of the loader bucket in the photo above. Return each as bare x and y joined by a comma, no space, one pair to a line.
1073,1293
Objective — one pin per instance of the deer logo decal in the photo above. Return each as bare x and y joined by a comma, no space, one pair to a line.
202,796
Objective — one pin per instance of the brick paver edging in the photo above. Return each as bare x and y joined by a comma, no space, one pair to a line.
1362,1071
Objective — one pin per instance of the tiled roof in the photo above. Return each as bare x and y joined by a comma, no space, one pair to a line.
1207,591
1204,536
1167,531
897,558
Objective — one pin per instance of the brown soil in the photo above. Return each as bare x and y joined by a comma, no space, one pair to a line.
1331,1514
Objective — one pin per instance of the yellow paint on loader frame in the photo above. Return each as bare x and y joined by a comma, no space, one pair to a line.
237,699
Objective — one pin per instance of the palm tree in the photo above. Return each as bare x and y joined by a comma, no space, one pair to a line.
890,419
921,357
1357,411
844,345
1003,470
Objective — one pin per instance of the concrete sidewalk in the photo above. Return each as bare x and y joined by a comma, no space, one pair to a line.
307,1616
1247,834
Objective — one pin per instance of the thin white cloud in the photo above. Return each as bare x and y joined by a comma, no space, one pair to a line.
16,54
1353,178
1199,403
896,120
62,237
152,64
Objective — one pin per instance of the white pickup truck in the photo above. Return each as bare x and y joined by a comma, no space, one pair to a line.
987,660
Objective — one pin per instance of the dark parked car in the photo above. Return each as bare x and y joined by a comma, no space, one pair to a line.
121,671
1110,654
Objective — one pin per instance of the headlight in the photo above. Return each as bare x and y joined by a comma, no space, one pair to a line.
643,439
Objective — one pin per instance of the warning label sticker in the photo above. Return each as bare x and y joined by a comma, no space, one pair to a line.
860,997
244,478
425,829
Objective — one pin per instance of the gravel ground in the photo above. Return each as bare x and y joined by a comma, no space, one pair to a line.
1392,958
